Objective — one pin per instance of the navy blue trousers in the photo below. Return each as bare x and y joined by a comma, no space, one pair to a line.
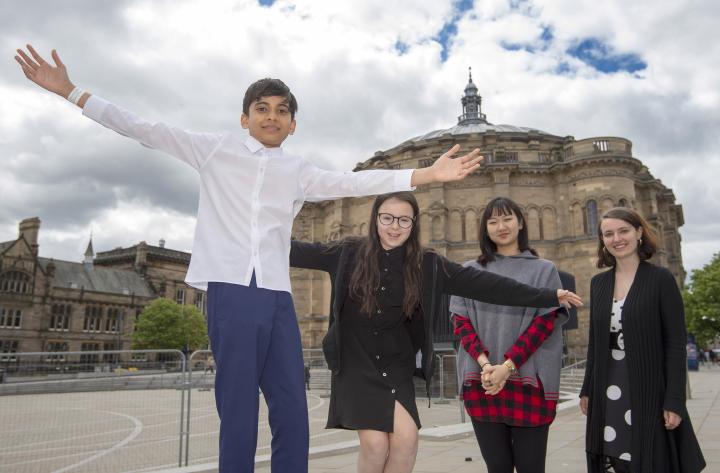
255,341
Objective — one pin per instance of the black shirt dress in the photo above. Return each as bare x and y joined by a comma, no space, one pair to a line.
378,360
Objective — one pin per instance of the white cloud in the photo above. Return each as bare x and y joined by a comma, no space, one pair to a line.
189,63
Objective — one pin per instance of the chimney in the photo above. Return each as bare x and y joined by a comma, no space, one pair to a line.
29,229
161,243
50,269
141,257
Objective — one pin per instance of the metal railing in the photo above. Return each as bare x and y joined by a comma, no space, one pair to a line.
117,410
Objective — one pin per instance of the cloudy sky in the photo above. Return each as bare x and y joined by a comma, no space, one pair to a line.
368,74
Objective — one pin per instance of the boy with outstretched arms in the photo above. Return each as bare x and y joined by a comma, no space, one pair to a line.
250,192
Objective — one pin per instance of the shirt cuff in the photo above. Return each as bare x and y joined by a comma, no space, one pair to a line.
94,107
403,178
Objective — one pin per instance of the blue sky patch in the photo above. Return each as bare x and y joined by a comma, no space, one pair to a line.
401,47
449,30
517,47
602,57
547,34
266,3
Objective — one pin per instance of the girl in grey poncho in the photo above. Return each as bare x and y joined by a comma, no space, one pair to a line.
509,359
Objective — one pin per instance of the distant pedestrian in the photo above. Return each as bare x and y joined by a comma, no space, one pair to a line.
307,377
210,365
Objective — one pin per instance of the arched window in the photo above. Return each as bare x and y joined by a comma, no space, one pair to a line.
622,203
591,217
15,281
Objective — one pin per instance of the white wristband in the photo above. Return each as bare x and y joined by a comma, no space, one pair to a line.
75,95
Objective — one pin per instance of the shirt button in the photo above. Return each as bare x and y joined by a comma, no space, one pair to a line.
393,391
382,288
375,332
384,374
379,311
385,269
377,357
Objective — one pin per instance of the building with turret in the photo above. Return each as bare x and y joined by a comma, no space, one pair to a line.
563,185
58,306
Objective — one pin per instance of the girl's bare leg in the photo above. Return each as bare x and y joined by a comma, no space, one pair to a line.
403,442
374,446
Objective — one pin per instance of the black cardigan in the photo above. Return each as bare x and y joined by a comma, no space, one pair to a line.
441,278
653,323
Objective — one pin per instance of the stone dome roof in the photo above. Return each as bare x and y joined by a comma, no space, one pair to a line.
483,127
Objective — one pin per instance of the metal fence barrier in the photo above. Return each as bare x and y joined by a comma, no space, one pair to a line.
112,411
123,411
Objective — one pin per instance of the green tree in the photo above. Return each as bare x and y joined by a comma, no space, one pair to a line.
702,302
165,324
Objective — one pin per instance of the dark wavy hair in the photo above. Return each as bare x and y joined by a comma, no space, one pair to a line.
365,277
648,240
269,88
501,206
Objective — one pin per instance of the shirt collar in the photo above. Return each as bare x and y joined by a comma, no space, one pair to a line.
395,255
256,147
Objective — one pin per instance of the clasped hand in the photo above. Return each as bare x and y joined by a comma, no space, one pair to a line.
494,378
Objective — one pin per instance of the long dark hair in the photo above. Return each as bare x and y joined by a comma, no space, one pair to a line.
365,277
501,206
648,241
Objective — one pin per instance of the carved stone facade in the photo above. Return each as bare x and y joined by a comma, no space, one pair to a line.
563,185
61,306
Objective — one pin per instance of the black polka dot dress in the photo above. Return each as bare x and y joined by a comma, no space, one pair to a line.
617,433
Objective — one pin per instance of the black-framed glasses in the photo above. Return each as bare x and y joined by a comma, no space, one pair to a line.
403,221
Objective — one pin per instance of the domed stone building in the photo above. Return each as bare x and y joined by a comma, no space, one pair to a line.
563,185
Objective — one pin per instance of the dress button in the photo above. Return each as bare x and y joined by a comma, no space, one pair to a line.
377,357
393,391
382,288
379,311
384,374
375,332
385,269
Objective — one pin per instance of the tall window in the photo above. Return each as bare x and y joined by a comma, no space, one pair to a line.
15,281
8,348
113,322
89,358
110,357
56,349
60,317
10,318
591,217
200,301
93,319
180,296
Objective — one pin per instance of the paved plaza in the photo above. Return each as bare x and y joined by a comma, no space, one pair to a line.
138,432
446,447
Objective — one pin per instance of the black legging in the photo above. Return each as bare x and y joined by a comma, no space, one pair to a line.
505,447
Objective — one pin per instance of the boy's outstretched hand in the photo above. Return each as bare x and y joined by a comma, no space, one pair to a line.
446,168
52,78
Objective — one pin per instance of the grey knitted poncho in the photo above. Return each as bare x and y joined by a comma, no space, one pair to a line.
499,326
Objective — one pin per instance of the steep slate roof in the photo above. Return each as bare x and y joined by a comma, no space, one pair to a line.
97,278
4,245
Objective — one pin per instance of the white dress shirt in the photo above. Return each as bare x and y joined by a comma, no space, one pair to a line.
249,196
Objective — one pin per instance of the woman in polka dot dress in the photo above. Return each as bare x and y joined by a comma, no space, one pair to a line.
634,388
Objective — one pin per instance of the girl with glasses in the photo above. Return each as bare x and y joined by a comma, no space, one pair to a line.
387,289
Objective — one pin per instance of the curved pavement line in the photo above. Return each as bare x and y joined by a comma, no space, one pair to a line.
136,431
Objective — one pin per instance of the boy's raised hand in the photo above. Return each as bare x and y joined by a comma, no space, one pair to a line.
52,78
446,168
